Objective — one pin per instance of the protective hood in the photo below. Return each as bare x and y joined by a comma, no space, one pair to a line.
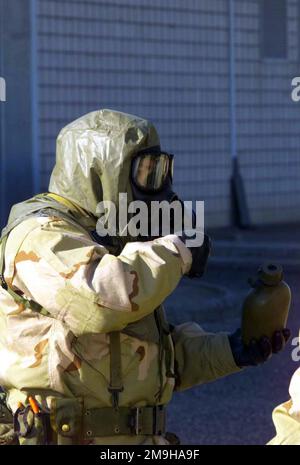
93,157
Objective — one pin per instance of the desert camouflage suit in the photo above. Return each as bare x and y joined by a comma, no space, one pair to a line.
286,417
89,292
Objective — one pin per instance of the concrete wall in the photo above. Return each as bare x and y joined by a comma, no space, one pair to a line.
15,114
167,61
268,119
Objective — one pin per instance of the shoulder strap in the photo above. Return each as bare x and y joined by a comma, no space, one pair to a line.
42,205
116,383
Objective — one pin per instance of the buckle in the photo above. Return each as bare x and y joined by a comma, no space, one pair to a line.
134,421
159,420
3,282
115,395
147,420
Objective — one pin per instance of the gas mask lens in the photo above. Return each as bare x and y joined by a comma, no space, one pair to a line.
150,171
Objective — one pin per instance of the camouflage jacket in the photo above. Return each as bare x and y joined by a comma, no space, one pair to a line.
286,416
89,292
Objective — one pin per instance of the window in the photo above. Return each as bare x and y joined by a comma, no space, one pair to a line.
274,28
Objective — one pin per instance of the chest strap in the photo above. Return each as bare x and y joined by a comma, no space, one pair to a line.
116,383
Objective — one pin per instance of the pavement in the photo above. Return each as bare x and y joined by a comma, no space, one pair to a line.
246,248
236,409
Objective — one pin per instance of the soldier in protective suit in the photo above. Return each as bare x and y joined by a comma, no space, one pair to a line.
87,356
286,416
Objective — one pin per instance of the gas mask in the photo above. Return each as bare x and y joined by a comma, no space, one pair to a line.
151,180
152,176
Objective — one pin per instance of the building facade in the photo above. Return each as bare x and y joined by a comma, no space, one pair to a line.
213,75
